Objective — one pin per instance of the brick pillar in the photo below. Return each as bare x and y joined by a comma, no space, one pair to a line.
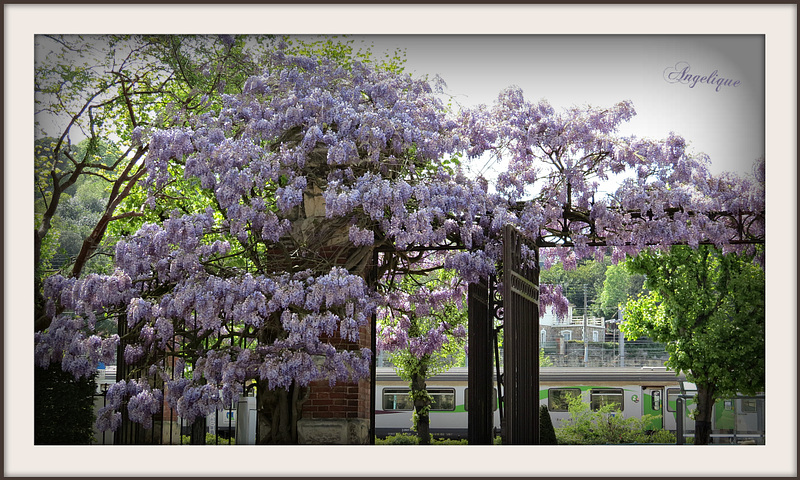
337,414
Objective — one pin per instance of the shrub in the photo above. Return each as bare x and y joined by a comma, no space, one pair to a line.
449,441
211,439
399,439
606,426
411,439
662,436
547,433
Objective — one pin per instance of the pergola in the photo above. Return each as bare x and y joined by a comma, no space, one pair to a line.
516,304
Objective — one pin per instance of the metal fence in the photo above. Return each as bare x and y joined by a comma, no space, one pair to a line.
735,421
218,428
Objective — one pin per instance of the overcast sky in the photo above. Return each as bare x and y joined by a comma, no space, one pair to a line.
724,122
727,125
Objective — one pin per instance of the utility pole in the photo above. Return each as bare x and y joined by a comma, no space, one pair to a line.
585,340
621,342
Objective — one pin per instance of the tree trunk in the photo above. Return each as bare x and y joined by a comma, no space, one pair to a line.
120,190
273,415
422,405
198,432
278,413
702,419
40,320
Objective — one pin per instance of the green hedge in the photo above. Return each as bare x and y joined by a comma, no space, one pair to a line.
547,433
211,439
411,439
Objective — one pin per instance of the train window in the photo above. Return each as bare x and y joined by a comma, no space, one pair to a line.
397,399
466,399
606,396
400,399
558,398
672,398
443,398
655,401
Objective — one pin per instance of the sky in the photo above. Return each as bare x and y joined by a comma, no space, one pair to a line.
727,123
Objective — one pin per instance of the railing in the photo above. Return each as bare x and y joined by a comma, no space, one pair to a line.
747,425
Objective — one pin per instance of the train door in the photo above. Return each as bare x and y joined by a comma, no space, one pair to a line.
653,404
670,409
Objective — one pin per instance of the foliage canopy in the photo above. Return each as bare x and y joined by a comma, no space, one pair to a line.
708,307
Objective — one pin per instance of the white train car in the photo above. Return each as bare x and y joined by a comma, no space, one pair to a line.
448,415
635,391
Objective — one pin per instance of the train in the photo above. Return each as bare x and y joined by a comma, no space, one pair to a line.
636,392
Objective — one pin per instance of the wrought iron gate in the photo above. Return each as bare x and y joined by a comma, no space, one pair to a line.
479,358
518,384
521,341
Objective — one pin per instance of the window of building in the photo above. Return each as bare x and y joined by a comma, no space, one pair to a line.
400,399
595,336
543,336
558,398
566,334
600,397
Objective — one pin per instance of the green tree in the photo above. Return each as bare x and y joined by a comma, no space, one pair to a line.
708,308
619,285
81,206
425,331
587,276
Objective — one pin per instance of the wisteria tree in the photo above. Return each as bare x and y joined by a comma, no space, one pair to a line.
423,327
309,170
90,93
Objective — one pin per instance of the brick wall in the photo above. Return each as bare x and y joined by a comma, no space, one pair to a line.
343,400
339,401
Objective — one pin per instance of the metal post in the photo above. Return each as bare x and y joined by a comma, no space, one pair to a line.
521,343
374,347
480,419
621,342
585,331
679,419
